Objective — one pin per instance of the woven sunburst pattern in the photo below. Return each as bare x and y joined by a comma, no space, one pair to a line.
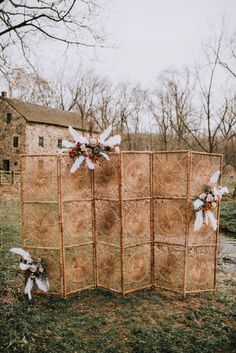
170,174
51,262
108,222
77,217
79,268
169,221
201,265
136,221
137,267
75,186
136,175
109,267
203,167
169,267
106,178
41,228
39,178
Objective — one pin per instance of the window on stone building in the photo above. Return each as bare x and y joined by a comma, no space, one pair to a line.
41,141
15,141
59,143
6,165
9,117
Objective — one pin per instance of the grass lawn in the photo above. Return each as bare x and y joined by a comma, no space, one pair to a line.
100,321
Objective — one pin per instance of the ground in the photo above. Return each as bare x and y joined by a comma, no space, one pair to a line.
104,322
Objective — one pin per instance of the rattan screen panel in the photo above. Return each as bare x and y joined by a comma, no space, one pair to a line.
77,217
76,186
170,172
107,178
136,174
201,269
109,267
169,267
170,220
39,178
79,271
41,227
137,268
126,226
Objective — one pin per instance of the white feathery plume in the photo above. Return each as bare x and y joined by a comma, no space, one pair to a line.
105,134
67,144
77,164
197,203
198,220
206,218
105,155
28,287
23,267
223,190
210,216
21,252
42,284
112,141
76,136
214,178
90,164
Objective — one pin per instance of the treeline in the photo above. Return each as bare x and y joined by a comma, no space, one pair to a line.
188,109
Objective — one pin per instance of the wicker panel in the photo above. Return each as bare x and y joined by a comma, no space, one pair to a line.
203,166
108,223
137,267
39,178
75,186
169,267
106,178
201,268
41,228
169,221
170,174
109,267
136,221
79,268
51,261
136,175
77,219
63,210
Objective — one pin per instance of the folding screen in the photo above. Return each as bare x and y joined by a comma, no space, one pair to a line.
126,226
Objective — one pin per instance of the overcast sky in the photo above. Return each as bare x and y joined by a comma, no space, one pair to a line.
150,36
154,35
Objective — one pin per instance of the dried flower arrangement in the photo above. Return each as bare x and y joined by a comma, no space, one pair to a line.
33,270
206,203
90,148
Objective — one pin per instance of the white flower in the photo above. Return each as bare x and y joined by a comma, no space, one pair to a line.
82,141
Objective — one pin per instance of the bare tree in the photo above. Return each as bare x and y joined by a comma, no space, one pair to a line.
160,108
67,21
226,54
30,87
23,23
172,107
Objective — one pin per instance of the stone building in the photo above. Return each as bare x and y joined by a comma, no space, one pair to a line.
32,129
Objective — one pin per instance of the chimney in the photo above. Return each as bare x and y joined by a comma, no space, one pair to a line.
4,94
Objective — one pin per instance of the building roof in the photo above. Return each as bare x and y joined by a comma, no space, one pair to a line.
44,115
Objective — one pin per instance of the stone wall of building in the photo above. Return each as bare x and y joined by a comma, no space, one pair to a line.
50,134
9,129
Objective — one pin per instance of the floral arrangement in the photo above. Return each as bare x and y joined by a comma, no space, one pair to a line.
207,202
33,270
90,148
